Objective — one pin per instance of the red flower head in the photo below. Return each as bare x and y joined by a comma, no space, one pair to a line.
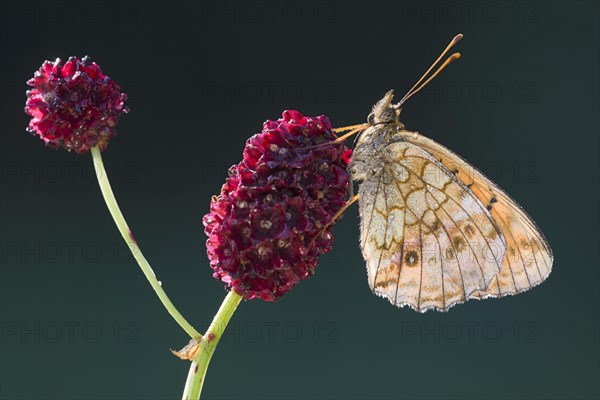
273,216
74,106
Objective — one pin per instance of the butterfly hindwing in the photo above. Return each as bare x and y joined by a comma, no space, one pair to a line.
528,258
428,241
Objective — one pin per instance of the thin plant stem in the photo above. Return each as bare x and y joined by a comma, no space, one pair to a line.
197,373
113,207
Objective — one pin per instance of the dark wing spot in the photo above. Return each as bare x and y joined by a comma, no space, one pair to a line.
492,201
385,283
449,253
411,258
459,243
469,231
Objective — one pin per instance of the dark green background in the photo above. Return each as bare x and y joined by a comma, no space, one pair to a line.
522,105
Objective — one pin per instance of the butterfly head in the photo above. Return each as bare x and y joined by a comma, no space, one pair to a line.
384,112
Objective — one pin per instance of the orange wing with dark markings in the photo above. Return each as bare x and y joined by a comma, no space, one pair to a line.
429,242
528,259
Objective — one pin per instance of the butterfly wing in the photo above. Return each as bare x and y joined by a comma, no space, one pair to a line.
528,258
428,241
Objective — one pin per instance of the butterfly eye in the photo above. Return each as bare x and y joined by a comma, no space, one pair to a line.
387,115
371,119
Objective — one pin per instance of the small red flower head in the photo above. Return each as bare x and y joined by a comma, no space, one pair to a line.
74,106
273,216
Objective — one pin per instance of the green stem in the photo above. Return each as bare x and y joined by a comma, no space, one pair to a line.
113,207
195,378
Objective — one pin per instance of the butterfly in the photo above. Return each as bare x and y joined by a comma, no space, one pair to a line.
434,231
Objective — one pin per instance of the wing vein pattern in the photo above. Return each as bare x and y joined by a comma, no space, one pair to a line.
429,242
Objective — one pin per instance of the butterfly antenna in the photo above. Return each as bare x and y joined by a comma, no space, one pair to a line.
416,88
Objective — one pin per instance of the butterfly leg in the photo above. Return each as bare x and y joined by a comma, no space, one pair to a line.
336,216
350,127
354,131
337,140
342,210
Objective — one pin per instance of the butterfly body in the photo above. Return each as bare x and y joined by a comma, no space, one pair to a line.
436,232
